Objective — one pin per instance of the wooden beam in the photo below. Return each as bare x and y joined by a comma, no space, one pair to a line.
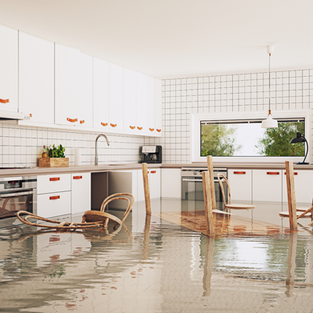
146,188
208,202
211,175
292,208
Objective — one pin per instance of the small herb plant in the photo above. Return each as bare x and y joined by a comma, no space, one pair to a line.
56,152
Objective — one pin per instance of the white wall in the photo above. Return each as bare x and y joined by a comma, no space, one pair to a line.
290,90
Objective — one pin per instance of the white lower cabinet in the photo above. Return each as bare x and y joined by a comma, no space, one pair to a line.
154,183
303,186
62,194
171,183
267,185
81,192
240,182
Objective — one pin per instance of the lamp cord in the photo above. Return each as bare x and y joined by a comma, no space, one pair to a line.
269,82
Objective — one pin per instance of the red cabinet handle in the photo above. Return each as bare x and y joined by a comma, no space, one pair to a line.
54,198
82,122
272,173
294,173
4,100
240,173
153,172
113,125
77,177
132,127
158,130
104,124
30,115
151,129
54,178
140,128
72,120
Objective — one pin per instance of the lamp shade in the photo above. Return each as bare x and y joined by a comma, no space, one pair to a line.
298,139
269,122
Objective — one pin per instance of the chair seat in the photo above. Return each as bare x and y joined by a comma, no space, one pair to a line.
239,206
286,214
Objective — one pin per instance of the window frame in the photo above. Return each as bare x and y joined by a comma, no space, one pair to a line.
196,135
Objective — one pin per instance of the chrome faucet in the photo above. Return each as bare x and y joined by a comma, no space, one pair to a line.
96,146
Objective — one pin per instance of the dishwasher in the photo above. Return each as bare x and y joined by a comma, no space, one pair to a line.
192,187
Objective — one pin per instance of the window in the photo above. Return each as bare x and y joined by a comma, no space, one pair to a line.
237,139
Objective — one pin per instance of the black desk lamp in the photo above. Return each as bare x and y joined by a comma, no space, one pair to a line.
298,139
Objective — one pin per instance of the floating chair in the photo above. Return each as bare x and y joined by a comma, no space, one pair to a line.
102,217
230,205
24,217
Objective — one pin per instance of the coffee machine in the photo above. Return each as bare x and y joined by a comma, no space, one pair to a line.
151,154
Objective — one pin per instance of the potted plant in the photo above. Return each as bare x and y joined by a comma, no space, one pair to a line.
53,157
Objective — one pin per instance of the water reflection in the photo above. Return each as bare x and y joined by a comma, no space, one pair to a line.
151,265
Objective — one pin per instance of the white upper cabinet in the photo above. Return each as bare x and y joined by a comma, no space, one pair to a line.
36,79
73,87
151,106
9,69
142,103
158,106
116,98
130,112
101,94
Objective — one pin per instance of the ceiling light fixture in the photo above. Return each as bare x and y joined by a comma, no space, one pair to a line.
269,122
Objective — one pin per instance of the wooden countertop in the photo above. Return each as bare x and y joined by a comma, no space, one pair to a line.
118,167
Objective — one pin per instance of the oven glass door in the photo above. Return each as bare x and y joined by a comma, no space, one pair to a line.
192,188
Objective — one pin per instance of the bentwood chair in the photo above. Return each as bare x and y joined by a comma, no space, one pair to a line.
229,205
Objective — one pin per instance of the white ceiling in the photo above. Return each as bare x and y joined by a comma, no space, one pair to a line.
175,38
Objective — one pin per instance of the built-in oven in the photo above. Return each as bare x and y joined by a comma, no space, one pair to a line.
17,193
192,187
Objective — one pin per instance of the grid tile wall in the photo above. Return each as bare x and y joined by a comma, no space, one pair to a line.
21,146
289,90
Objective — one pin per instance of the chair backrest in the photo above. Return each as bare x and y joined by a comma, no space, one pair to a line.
221,180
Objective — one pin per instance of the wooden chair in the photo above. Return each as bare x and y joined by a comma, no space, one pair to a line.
102,217
294,213
229,206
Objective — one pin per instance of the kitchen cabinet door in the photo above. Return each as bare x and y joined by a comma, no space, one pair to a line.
67,84
116,118
155,183
9,69
81,192
158,106
130,110
36,79
240,182
171,183
84,103
101,94
142,103
151,107
267,185
303,187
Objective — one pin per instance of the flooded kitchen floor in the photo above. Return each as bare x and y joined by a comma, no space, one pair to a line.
160,265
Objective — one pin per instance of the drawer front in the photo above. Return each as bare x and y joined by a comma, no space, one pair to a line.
54,204
53,183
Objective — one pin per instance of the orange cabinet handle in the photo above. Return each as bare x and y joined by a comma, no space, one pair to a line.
82,122
272,173
4,100
132,127
104,124
240,173
113,125
54,198
54,178
30,115
151,129
140,128
294,173
77,177
153,172
72,120
158,130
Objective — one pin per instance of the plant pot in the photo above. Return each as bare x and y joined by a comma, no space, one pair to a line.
53,162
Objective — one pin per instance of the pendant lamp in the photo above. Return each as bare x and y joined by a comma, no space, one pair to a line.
269,122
